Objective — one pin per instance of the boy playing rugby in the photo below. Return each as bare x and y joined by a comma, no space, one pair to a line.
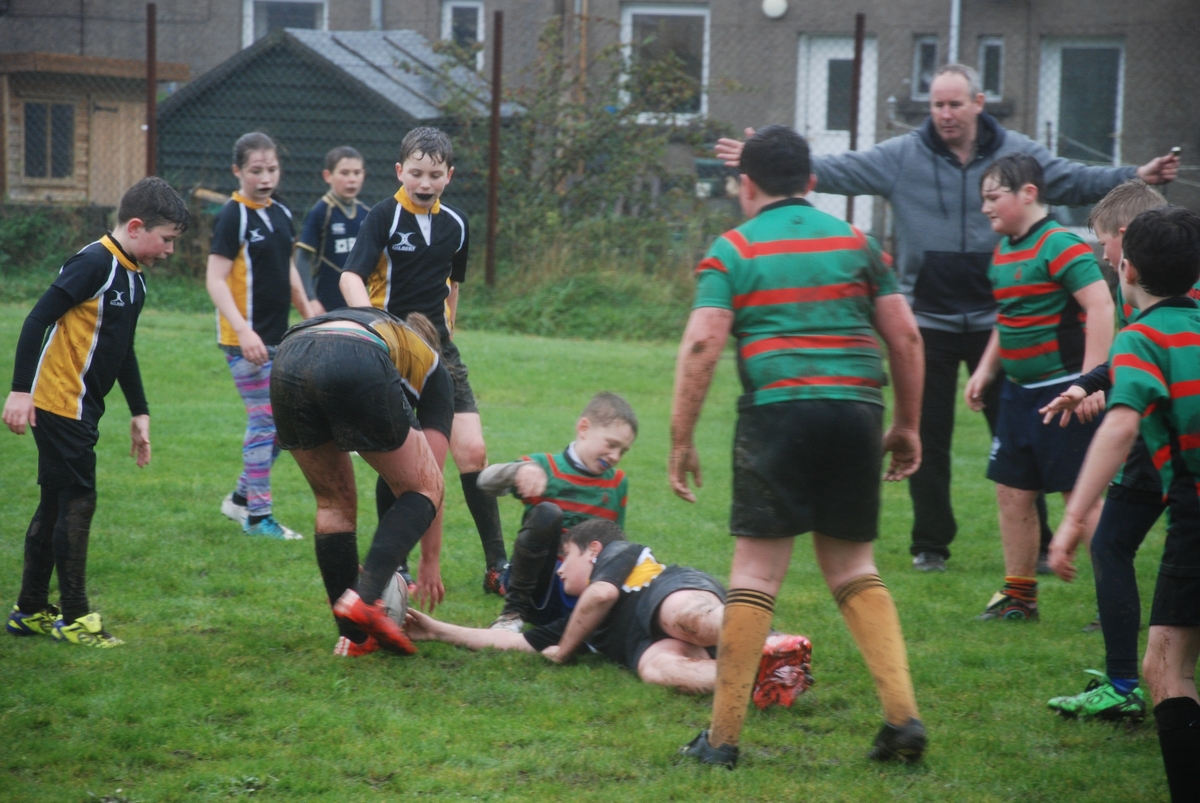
560,491
93,305
331,228
1047,284
1156,392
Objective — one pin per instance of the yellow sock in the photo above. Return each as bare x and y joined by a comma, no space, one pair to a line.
871,616
744,629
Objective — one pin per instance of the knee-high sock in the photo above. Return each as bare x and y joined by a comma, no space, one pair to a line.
1178,720
486,512
871,616
533,558
337,558
399,531
39,555
76,506
384,499
744,629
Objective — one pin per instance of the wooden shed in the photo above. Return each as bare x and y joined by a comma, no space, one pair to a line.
74,126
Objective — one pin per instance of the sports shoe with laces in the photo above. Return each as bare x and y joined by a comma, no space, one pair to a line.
493,579
87,631
31,624
929,562
784,673
374,620
1002,606
348,648
726,755
232,510
1101,699
905,744
510,621
270,528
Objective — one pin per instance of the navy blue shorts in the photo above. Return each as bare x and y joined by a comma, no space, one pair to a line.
1032,456
1177,592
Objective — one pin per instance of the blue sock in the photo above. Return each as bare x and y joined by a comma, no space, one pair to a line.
1124,685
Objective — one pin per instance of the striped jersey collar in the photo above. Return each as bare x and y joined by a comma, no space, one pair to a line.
406,202
348,207
572,457
1173,301
242,199
1015,241
114,248
784,202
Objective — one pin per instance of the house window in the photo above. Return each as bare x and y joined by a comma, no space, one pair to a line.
666,46
991,67
261,17
925,63
49,140
462,23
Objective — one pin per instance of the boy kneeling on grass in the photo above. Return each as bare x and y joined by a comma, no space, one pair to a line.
659,621
1156,391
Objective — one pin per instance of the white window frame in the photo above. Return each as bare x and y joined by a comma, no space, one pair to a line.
915,78
448,7
984,43
1050,84
248,17
627,14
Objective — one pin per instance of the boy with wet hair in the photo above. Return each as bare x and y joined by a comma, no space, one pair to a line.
331,228
59,388
411,256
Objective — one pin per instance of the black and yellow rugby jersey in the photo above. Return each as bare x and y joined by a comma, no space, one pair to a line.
405,272
258,238
92,342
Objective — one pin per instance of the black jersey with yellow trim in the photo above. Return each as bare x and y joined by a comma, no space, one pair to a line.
88,345
258,239
405,272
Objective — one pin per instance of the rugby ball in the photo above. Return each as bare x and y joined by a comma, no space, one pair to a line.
395,599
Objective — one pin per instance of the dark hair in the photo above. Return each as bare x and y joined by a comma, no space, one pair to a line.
154,202
607,409
254,141
1123,203
776,159
432,142
1014,171
425,330
586,532
338,154
1164,245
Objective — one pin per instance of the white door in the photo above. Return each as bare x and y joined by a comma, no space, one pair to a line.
823,82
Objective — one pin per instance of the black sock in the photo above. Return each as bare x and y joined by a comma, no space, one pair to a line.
238,499
1178,720
384,499
533,556
39,555
337,558
1044,531
252,520
486,512
399,531
76,506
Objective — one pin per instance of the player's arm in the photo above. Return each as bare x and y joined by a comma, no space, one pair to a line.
595,603
369,245
1098,304
906,357
704,338
422,627
299,293
452,305
984,374
129,377
305,261
1085,397
525,477
18,407
215,278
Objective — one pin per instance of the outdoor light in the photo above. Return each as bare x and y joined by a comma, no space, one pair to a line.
774,9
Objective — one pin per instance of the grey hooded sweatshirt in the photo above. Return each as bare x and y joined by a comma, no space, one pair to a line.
943,240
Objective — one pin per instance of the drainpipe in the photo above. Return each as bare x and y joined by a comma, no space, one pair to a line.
376,15
955,24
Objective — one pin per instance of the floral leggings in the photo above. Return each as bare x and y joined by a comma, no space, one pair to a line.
259,449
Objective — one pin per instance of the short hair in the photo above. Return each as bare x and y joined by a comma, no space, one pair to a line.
1164,245
155,202
776,158
432,142
1014,171
607,409
974,85
338,154
586,532
254,141
425,330
1122,204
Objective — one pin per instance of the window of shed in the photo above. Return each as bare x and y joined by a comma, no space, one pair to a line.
666,49
49,140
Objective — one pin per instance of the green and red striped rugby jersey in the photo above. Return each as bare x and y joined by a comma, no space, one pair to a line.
1156,371
802,285
1039,320
581,494
1126,312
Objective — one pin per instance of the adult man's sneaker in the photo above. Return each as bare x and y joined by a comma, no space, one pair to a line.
269,528
87,631
374,620
1002,606
785,671
348,648
493,579
906,743
31,624
726,755
510,621
232,510
1101,699
929,562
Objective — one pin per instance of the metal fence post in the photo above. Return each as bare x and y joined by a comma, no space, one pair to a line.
489,265
151,88
860,29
